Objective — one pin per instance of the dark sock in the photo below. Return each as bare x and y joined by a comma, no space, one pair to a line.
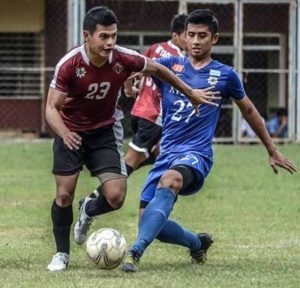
98,206
62,219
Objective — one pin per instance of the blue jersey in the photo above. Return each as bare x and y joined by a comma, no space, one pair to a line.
182,130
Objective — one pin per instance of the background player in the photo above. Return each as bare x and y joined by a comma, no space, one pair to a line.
81,110
146,118
186,148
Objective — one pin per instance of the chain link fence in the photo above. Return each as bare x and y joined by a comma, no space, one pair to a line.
258,38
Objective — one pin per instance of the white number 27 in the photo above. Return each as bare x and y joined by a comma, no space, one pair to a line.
178,115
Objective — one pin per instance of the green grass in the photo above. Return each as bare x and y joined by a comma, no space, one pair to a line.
253,215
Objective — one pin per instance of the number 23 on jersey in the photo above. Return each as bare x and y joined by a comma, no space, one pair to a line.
98,91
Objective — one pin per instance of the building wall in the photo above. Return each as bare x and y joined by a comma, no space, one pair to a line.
22,15
140,15
48,17
16,114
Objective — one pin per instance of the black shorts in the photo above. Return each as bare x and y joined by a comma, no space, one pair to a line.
101,151
146,135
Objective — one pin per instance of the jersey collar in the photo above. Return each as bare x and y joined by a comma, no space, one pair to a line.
84,55
173,46
86,58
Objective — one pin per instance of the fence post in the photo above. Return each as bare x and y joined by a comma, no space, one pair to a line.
238,63
297,118
292,71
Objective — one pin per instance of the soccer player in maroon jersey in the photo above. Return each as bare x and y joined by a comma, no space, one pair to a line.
82,110
146,117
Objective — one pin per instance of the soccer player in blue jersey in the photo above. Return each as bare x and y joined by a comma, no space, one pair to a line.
186,148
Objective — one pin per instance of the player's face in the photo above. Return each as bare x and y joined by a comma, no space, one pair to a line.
200,40
180,41
102,41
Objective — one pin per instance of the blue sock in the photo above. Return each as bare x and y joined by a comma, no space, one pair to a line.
154,218
174,233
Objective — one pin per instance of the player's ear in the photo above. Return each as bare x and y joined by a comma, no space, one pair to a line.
85,35
215,38
174,36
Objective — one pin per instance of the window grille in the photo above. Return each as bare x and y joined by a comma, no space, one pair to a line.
20,65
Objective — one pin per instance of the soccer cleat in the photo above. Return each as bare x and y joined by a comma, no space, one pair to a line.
131,262
199,256
83,224
60,262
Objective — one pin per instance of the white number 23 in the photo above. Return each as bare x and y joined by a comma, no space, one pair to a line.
98,91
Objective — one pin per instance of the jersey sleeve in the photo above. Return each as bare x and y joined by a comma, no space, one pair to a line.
132,60
62,78
166,61
235,88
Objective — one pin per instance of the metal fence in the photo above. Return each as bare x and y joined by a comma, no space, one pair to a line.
258,37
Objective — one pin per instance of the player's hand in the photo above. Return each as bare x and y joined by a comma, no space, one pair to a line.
204,96
130,89
72,140
137,75
278,160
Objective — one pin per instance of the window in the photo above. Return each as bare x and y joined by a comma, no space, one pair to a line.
20,65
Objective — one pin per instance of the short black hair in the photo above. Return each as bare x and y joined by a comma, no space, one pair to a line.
281,112
178,23
99,15
205,17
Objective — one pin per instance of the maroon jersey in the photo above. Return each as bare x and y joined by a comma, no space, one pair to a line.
147,104
92,92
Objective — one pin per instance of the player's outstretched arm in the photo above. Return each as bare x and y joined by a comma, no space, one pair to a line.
196,96
55,100
254,119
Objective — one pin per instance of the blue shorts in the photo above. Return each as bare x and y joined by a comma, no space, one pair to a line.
200,163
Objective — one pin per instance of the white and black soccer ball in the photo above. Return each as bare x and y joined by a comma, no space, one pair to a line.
106,248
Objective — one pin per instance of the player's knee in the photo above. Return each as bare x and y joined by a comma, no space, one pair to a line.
116,200
172,180
64,199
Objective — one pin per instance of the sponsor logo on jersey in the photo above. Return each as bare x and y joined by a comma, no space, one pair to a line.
177,68
214,73
176,92
162,52
212,80
118,68
80,72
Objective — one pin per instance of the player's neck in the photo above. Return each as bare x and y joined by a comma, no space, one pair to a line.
200,63
94,58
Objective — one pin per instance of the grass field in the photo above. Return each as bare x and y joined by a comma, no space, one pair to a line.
253,215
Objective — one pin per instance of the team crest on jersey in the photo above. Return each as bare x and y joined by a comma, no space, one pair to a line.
80,72
212,80
118,68
177,68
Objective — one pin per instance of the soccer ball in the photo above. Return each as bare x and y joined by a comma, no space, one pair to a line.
106,248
